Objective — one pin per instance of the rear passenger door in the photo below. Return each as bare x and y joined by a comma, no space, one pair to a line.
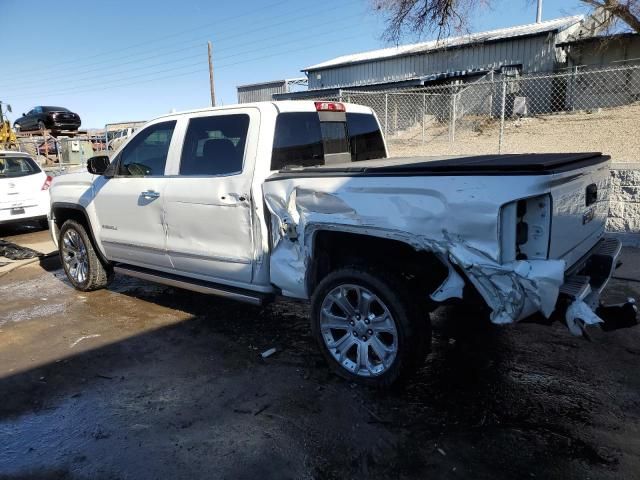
208,202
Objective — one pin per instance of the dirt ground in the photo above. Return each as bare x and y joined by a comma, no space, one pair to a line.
570,132
142,381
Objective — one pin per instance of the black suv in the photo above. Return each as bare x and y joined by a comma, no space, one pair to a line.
53,118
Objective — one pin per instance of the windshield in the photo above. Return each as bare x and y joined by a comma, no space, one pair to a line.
55,109
17,167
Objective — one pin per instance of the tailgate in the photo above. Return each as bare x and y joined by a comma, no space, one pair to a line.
580,200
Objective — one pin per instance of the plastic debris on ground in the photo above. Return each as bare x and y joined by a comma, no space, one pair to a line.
16,252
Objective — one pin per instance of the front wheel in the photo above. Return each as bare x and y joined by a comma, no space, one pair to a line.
82,265
369,328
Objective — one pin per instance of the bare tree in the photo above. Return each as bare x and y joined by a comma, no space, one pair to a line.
444,16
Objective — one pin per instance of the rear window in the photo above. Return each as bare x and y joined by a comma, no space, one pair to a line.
17,167
302,140
55,109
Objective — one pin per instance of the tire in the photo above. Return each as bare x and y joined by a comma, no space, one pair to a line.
83,267
404,338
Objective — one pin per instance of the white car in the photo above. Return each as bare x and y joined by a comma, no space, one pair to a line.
24,189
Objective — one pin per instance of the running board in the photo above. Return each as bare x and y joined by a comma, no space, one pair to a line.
192,284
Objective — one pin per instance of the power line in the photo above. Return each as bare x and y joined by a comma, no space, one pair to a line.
191,44
36,84
201,70
164,37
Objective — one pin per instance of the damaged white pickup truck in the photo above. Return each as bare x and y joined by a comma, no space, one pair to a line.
298,199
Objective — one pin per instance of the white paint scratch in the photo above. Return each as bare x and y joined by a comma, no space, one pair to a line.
83,338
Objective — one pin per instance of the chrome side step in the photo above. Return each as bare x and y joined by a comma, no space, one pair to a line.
576,287
194,285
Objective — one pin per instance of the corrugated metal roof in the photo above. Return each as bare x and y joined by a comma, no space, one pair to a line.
489,36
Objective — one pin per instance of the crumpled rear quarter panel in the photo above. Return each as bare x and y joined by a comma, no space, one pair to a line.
454,216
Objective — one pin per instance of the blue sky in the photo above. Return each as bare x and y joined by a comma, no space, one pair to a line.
124,60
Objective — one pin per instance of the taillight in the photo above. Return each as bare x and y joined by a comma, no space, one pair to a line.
330,107
47,183
525,227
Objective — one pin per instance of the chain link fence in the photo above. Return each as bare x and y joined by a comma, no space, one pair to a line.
578,109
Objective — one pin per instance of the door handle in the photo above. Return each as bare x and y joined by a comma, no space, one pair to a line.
150,194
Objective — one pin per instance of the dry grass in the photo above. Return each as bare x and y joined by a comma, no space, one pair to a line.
614,131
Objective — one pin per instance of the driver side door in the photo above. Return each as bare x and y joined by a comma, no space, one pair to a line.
130,205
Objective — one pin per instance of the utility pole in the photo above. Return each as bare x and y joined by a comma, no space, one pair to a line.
539,12
213,92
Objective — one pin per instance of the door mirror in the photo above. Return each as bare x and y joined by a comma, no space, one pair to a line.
24,114
98,165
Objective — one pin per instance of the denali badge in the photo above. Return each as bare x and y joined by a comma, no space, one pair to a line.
588,216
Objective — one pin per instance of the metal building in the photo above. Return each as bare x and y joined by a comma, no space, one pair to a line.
523,49
264,91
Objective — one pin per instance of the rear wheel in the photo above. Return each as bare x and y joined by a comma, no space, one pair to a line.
368,326
82,265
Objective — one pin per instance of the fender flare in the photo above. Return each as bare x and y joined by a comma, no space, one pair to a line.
83,211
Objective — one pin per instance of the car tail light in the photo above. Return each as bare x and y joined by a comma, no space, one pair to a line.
330,107
47,183
525,227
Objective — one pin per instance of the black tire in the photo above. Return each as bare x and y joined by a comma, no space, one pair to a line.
408,312
98,275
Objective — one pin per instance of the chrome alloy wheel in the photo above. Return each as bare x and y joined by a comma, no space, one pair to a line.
74,256
358,330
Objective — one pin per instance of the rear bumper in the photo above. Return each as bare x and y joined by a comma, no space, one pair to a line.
64,125
593,271
579,298
35,212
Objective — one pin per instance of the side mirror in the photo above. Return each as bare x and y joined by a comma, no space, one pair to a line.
98,165
24,114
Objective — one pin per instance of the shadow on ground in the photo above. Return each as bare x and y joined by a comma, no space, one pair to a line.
195,399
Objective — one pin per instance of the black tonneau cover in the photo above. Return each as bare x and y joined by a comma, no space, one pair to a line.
520,164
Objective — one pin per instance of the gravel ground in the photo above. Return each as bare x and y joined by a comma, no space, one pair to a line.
143,381
614,131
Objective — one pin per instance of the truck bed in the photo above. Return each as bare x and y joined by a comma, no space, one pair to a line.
510,164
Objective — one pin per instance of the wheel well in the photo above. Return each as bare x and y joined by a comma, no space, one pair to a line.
62,214
332,250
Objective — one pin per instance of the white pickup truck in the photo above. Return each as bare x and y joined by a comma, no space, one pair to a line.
298,199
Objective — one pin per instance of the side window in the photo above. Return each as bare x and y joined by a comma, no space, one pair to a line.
298,141
146,155
37,110
366,138
214,145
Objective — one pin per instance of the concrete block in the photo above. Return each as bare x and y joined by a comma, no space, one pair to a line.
616,225
616,209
